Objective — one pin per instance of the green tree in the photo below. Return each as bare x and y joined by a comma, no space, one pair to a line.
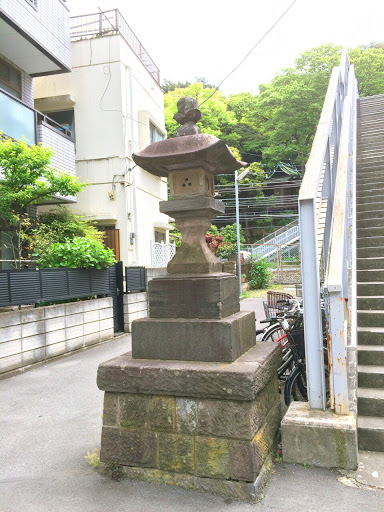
28,179
369,68
217,119
58,226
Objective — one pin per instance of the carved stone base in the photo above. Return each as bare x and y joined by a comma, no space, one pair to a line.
212,296
182,339
205,426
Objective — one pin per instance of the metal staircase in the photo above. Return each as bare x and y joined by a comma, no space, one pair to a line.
370,272
270,244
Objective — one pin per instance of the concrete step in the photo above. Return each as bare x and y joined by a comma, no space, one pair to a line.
370,289
370,336
369,187
368,232
370,376
370,303
369,207
368,198
369,214
373,241
371,355
370,264
373,220
370,402
370,433
370,276
370,318
369,175
368,166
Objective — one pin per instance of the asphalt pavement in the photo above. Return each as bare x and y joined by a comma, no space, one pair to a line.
51,418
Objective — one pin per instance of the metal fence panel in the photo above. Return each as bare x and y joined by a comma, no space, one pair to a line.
135,278
29,286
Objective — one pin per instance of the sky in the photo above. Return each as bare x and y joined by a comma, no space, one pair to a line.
208,38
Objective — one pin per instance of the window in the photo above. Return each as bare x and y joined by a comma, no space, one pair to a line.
154,134
65,118
32,2
159,237
10,79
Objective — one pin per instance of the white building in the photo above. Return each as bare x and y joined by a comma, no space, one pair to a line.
113,104
34,41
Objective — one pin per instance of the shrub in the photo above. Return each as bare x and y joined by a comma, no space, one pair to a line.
81,252
259,274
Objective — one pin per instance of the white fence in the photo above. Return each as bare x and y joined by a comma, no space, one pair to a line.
161,254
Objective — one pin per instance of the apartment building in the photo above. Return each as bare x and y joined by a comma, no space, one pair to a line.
112,103
34,42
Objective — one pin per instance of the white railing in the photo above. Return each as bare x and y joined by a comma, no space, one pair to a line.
108,23
341,268
316,206
161,254
267,246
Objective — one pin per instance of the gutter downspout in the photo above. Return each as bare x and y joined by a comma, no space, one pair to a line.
134,187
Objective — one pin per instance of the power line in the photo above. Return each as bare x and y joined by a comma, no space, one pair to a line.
250,51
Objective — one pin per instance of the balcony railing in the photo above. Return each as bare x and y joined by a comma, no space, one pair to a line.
108,23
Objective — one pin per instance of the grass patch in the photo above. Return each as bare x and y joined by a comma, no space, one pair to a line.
261,294
93,458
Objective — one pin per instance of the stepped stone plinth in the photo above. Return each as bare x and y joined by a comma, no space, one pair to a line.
196,403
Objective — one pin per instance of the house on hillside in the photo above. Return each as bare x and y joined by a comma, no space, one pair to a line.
34,41
112,103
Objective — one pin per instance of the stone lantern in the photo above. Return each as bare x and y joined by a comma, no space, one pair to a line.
196,403
190,162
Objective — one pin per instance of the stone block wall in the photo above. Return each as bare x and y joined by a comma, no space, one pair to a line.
192,442
135,307
32,335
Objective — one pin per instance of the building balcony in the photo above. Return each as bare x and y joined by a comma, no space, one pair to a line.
34,35
18,121
109,23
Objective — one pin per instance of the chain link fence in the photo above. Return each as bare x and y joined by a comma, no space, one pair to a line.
283,261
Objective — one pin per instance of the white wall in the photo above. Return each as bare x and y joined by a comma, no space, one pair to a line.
108,128
48,24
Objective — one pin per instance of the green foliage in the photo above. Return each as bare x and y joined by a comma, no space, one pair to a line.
80,252
259,275
93,458
229,234
169,86
63,223
369,69
217,119
28,179
175,235
58,226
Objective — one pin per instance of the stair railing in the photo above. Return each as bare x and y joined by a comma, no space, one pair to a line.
316,200
340,281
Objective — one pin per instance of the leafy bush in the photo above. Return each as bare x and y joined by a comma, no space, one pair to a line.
259,274
81,252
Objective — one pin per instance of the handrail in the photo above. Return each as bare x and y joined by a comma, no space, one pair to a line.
271,236
316,200
337,287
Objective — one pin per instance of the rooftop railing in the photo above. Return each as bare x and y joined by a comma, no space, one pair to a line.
109,23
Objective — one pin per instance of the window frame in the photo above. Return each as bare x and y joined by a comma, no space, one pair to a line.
156,129
18,90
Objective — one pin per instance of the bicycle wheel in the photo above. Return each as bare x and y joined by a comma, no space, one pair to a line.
276,334
296,385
